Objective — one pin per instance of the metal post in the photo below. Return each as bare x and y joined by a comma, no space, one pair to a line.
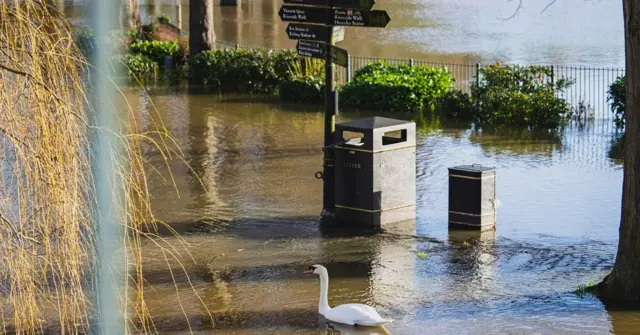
410,62
477,102
328,175
347,71
552,76
105,152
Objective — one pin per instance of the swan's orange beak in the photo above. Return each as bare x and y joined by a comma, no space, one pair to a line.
308,271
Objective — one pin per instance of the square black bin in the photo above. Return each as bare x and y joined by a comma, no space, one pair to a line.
472,195
375,172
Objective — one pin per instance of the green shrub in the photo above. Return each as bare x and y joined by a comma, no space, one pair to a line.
242,71
137,64
308,89
382,86
133,36
164,19
147,31
616,151
616,95
306,83
455,104
519,96
155,50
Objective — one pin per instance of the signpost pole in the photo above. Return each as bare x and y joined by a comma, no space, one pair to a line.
328,188
308,20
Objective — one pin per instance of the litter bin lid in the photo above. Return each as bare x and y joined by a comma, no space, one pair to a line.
472,168
375,122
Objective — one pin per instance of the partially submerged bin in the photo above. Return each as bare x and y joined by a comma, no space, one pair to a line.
375,172
472,195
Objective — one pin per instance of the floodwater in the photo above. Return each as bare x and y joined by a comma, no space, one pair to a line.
570,32
255,230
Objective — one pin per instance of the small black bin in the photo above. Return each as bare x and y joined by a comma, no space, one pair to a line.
472,195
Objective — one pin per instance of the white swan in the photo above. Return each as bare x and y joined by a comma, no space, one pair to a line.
350,314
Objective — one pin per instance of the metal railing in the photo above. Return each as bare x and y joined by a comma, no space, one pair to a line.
589,88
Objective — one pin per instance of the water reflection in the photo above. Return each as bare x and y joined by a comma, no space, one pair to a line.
471,264
518,141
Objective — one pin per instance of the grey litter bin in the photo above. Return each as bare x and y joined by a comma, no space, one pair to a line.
375,172
472,195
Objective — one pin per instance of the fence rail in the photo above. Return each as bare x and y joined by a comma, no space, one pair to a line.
589,88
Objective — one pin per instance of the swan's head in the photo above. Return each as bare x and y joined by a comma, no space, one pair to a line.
316,269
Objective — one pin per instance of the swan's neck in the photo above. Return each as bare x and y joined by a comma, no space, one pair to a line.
323,304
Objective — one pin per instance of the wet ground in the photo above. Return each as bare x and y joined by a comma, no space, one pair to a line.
255,230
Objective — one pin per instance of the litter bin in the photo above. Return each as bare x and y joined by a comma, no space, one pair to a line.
375,172
472,195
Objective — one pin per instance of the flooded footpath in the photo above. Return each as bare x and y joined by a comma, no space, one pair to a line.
255,229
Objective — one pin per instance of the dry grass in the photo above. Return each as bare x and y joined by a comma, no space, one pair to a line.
47,225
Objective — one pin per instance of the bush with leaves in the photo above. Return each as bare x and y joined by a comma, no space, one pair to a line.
137,64
306,83
616,95
164,19
155,50
519,96
303,89
243,71
455,104
405,88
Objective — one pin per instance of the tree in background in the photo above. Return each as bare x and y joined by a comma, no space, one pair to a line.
622,286
131,15
201,34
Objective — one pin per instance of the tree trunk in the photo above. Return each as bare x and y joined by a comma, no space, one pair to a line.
131,19
621,288
201,35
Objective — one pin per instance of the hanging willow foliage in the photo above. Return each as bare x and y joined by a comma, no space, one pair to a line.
47,225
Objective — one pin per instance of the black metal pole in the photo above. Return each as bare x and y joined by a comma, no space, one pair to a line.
328,197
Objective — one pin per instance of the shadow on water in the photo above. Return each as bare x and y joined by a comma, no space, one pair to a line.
286,321
263,229
339,269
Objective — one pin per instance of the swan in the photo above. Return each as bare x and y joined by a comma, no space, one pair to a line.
350,314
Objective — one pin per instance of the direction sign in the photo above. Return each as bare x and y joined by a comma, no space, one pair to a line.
335,16
304,14
339,56
311,49
318,50
360,17
313,32
356,4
